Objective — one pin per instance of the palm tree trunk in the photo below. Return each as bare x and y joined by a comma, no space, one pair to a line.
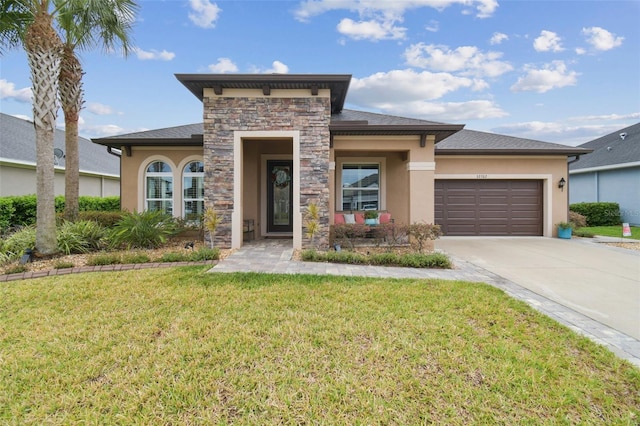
43,45
71,99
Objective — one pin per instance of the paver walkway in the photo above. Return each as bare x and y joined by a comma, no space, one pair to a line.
275,256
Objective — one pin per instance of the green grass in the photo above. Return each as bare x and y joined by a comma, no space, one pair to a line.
180,346
613,231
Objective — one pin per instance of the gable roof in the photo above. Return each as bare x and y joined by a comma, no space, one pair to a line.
612,150
474,142
17,145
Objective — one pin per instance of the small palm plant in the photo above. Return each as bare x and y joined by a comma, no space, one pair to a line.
312,222
211,220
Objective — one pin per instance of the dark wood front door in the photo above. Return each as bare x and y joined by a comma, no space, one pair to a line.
279,196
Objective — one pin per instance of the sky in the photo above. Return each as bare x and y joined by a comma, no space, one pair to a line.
557,71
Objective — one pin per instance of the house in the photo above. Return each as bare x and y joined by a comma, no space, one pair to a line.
272,144
99,171
610,173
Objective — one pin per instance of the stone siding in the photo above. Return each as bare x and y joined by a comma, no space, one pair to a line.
310,116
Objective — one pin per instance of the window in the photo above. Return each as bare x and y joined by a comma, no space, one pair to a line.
193,190
361,186
159,187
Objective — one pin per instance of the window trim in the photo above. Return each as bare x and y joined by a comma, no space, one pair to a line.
148,174
382,184
183,175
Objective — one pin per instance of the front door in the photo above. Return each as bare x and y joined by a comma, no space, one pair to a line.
279,196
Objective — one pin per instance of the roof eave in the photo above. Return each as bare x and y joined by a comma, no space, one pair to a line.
337,83
439,131
487,151
195,140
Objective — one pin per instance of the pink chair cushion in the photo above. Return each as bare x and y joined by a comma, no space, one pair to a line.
359,217
338,218
384,217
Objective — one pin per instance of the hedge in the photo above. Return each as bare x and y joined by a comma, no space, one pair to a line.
598,214
20,210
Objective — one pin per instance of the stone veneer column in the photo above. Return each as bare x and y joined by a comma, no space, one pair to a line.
225,115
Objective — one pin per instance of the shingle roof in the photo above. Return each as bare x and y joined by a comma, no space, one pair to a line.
611,149
475,142
378,119
178,132
17,142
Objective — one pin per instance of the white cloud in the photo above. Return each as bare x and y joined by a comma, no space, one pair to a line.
580,51
99,109
205,14
103,130
403,86
371,30
389,9
432,26
498,38
552,76
8,91
448,111
277,67
614,117
224,65
601,39
468,60
566,132
548,41
151,55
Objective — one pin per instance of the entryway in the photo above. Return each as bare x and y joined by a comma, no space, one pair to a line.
279,203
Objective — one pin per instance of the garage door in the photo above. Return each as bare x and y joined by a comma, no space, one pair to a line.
489,207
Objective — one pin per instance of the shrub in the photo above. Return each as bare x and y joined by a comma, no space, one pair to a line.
420,260
104,259
423,232
174,256
106,219
149,229
347,233
205,253
15,244
135,257
598,214
384,259
7,210
63,264
18,269
578,220
102,204
25,210
80,237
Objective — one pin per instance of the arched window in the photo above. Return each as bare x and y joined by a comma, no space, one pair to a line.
193,190
159,187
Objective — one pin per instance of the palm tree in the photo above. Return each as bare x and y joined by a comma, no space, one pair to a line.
84,24
30,24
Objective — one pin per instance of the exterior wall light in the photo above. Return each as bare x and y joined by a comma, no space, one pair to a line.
562,183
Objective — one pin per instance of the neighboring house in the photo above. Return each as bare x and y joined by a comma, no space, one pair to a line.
272,144
610,173
99,171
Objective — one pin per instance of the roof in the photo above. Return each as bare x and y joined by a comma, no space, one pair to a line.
612,150
187,135
338,84
17,144
350,122
474,142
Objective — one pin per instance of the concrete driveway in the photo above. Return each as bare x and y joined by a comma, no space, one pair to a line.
598,281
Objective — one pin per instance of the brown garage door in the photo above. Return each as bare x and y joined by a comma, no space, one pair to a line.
489,207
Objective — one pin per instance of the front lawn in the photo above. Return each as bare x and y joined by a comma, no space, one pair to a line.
181,346
612,231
